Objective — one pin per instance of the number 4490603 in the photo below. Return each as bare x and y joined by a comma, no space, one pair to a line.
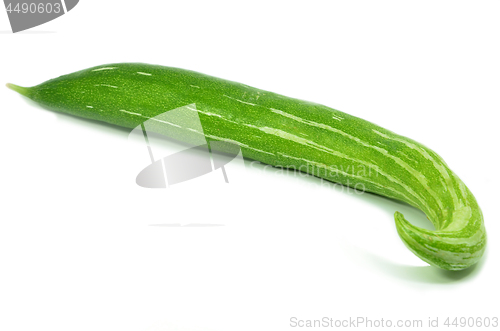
471,322
33,8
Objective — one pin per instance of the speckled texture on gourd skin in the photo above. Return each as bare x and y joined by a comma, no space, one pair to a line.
290,133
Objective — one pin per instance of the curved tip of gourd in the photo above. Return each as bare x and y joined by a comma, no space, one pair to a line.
19,89
447,250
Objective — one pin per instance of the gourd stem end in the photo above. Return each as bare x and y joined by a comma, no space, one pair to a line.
19,89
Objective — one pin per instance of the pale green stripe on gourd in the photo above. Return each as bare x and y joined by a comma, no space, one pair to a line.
286,132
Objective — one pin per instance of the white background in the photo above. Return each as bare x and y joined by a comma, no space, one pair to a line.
78,245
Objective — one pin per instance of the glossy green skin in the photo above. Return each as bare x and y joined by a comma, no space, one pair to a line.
290,133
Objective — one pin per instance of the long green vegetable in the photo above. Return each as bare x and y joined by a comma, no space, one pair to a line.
290,133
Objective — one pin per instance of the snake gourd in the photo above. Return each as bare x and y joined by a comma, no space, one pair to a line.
290,133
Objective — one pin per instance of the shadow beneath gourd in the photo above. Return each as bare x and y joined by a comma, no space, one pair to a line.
417,274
